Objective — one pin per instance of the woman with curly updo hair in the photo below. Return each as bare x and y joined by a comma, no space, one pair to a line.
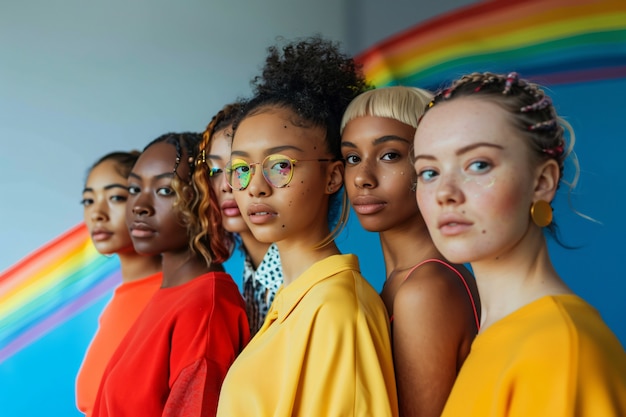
489,156
262,272
324,348
173,360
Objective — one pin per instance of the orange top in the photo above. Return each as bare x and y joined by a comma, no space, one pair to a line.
129,299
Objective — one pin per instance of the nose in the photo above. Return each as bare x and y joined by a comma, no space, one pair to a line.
99,213
141,206
449,190
258,184
365,177
223,184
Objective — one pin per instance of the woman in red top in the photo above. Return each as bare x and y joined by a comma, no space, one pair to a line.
104,202
173,360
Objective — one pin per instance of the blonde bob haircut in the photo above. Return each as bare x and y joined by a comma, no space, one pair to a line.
405,104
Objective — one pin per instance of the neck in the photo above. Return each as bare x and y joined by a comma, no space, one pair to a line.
254,249
295,259
407,245
135,266
516,278
181,267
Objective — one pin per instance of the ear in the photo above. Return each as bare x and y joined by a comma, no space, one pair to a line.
334,177
547,180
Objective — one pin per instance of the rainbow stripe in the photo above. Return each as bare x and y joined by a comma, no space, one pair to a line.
50,286
549,41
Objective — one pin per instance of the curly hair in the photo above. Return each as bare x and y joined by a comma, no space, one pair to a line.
211,244
314,79
532,113
205,197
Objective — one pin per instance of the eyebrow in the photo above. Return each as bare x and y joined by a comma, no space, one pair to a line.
271,151
463,150
106,187
378,141
158,177
214,157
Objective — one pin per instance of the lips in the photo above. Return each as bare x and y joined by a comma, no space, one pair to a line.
141,230
99,235
367,204
452,224
261,213
230,209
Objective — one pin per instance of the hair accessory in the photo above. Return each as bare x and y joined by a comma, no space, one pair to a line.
541,213
555,152
414,186
539,105
201,158
510,79
547,125
447,93
176,163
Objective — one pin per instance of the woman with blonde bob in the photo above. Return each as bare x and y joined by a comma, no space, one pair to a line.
433,304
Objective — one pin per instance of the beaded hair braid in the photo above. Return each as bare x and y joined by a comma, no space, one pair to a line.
531,108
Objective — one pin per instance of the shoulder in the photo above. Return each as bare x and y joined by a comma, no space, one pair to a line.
346,297
432,284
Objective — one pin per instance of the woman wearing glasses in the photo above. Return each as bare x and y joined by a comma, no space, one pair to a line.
324,347
262,273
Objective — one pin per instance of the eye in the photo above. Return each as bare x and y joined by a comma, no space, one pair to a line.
214,171
118,198
281,167
390,156
479,166
86,202
427,175
165,191
352,159
133,190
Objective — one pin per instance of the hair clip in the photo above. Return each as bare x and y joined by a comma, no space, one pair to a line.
555,152
510,79
547,125
544,102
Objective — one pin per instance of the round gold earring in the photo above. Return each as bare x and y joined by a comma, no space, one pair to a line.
541,213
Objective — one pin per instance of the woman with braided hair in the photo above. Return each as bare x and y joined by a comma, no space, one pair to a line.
173,360
324,348
262,272
489,154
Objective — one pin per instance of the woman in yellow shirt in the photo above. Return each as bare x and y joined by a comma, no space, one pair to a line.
324,347
489,155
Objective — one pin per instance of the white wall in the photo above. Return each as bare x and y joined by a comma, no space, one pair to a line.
81,78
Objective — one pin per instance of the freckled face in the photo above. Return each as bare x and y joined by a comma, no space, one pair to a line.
379,175
298,211
104,202
155,225
218,156
475,180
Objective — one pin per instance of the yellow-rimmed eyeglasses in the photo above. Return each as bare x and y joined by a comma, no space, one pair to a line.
277,171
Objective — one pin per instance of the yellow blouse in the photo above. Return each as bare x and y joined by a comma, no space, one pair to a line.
553,357
323,350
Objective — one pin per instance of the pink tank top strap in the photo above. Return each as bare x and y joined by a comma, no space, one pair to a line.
453,269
